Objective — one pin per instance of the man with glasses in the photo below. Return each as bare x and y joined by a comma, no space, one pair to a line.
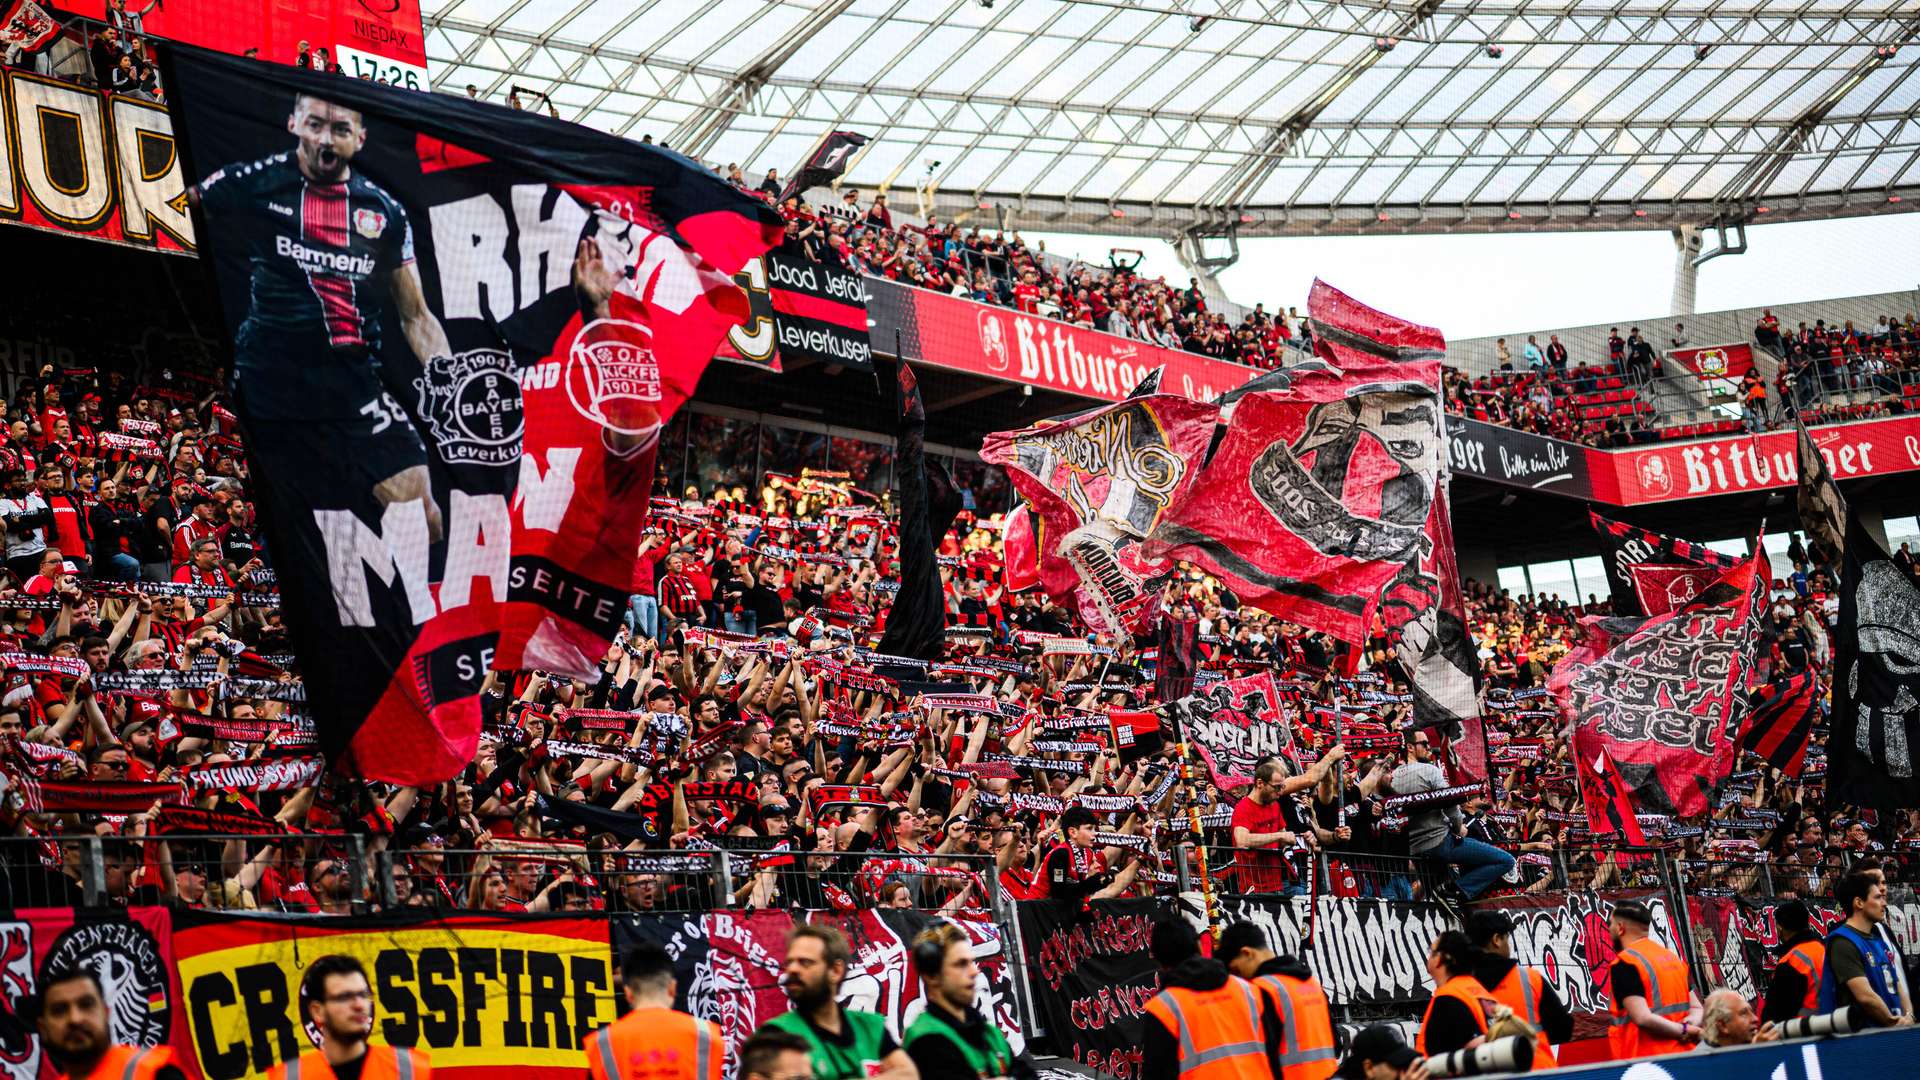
1440,834
338,1002
654,1041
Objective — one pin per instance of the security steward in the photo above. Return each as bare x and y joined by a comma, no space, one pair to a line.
1518,987
654,1041
952,1038
1206,1024
847,1044
1460,1008
1296,1003
70,1012
339,1003
1795,987
1654,1011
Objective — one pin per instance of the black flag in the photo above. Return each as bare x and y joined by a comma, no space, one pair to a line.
917,622
1629,545
825,164
1876,680
1823,512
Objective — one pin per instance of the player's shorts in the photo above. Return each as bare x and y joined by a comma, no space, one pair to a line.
321,410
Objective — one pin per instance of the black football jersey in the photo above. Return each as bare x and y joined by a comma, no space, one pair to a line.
319,253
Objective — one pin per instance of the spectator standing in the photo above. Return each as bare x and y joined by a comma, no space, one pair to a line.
114,522
26,518
1536,359
1557,354
69,529
634,1046
1861,968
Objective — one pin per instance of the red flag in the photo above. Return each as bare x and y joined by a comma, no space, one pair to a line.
1662,695
1098,482
1609,806
1320,493
1662,587
1781,722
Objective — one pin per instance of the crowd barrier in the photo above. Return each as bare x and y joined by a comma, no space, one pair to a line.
1866,1054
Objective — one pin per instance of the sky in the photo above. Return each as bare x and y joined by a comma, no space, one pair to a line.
1474,286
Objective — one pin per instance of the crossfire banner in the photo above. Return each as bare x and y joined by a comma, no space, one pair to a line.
1664,696
458,331
1098,482
1319,494
488,997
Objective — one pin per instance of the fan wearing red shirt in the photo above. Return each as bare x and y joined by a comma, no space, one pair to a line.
1026,295
203,566
198,526
70,531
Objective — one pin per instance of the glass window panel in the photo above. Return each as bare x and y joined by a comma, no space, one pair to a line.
1513,579
672,458
868,465
1553,577
719,452
1590,577
1905,530
784,450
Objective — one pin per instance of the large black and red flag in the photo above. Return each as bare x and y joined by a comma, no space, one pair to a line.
458,331
1780,717
1319,495
1663,696
1650,573
1876,678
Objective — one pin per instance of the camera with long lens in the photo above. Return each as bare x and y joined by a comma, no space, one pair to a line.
1844,1021
1511,1054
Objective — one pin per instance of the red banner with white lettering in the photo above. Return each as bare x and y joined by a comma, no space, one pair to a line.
963,335
1690,470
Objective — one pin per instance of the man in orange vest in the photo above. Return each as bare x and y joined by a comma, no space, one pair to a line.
1654,1010
1518,987
71,1014
1206,1023
1296,1004
1795,987
654,1041
339,1003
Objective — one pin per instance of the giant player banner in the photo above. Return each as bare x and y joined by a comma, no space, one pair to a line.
458,332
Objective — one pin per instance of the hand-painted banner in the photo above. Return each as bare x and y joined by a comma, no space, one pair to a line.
727,964
487,997
1565,938
1238,723
1099,482
131,952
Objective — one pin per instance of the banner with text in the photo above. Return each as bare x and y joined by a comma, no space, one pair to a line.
727,964
130,953
488,997
371,39
820,312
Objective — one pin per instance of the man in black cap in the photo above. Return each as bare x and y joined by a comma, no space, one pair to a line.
1379,1053
1518,987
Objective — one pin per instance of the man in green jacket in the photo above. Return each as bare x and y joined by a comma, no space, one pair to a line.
952,1039
846,1044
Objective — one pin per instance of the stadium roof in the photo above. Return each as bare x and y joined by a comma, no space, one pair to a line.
1270,117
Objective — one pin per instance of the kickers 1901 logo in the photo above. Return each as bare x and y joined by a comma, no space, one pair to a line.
613,379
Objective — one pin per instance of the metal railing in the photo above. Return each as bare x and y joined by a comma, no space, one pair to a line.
194,870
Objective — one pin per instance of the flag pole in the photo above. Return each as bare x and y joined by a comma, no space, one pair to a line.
1193,822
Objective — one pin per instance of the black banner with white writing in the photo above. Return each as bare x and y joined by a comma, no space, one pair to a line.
819,312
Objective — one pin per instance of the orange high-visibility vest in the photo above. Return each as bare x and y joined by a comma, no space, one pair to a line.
1521,991
1461,988
656,1044
1221,1037
1665,977
131,1063
382,1063
1306,1038
1809,958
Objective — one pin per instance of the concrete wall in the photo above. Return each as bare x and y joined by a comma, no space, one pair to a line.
1589,343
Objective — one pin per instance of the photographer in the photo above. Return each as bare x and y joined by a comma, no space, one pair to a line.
1379,1054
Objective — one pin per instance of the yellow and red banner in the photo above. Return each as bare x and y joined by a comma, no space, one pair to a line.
485,997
